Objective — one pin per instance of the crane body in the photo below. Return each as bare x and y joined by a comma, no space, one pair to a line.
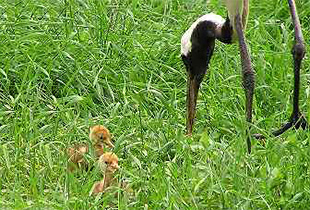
197,47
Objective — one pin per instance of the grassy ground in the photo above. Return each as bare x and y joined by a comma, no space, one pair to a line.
66,65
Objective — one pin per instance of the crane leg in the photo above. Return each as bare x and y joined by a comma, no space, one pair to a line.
297,120
248,76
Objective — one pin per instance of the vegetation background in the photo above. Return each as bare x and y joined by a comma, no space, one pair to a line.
66,65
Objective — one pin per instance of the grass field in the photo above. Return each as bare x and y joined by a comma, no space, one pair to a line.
67,65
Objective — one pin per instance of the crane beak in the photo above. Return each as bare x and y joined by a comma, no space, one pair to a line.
192,92
195,74
193,83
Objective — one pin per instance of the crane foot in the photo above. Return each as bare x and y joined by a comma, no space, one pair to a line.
297,121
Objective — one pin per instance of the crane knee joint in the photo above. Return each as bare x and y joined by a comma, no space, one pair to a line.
299,51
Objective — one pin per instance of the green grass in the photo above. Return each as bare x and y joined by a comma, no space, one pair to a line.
66,65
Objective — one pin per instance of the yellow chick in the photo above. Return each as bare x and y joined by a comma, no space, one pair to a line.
100,137
108,163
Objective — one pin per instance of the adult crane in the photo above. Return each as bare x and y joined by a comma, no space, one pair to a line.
197,46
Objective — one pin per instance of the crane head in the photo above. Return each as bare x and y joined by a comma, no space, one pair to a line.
197,45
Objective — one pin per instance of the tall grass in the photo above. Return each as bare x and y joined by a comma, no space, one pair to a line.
66,65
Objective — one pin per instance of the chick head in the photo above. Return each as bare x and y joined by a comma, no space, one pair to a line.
108,162
99,134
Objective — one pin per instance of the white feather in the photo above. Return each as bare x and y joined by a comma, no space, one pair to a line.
186,44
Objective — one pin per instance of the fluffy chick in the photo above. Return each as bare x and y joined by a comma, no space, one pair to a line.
108,163
100,138
76,157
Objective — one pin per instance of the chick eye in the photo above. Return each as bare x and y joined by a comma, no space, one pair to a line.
106,162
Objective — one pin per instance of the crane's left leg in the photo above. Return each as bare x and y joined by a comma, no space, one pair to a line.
297,120
248,75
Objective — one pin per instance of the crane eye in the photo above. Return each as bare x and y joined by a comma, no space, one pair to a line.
184,59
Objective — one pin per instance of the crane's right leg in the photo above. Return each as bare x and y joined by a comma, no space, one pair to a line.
297,120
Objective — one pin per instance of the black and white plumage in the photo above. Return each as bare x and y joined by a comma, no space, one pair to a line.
209,23
197,46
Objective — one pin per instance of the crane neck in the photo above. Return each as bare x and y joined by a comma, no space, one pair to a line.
226,32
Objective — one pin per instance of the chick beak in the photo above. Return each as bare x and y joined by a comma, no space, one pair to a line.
114,166
110,145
